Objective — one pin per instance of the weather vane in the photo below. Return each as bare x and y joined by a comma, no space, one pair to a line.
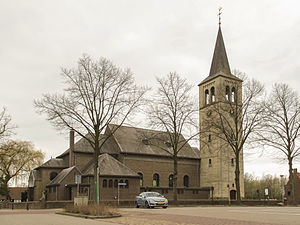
219,14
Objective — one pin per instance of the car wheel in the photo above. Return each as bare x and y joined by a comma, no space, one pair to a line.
147,205
165,207
137,206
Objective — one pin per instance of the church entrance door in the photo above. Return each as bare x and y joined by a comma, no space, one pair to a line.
233,194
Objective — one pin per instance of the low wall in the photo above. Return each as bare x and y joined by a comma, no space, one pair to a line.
62,204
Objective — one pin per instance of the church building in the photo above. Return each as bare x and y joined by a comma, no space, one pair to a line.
128,158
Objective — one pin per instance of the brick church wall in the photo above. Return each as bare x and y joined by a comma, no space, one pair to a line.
149,165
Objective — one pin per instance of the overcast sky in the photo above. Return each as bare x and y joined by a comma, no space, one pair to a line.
152,38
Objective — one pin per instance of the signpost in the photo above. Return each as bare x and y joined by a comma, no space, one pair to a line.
120,184
77,181
228,186
266,192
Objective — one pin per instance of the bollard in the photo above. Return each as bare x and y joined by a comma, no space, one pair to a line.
27,206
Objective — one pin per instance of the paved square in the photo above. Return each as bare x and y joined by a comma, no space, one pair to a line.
218,215
212,216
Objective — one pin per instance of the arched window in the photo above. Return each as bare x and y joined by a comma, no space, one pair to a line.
171,180
116,184
155,180
186,181
212,93
127,184
233,95
110,183
52,175
227,93
104,183
206,97
141,179
121,181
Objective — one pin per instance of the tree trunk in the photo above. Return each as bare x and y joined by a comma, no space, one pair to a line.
4,187
96,156
291,179
175,179
237,177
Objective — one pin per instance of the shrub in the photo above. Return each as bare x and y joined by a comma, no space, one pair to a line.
93,209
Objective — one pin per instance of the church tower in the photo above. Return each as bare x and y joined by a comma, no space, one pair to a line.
219,90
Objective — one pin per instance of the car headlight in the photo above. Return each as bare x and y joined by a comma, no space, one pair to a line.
151,201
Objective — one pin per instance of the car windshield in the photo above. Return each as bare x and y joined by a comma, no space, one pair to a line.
153,194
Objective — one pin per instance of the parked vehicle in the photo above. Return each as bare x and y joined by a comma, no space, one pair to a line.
151,200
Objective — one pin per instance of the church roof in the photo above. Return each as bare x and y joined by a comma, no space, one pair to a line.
109,166
54,163
132,140
149,142
62,175
219,64
83,146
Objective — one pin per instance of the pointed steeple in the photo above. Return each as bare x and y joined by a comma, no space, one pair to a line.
220,61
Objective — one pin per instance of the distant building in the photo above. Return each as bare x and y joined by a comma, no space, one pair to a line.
296,188
15,194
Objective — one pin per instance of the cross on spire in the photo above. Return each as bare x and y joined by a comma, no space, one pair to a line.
219,14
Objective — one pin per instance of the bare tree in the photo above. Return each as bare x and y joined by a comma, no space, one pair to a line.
282,126
6,127
97,94
254,186
174,110
17,157
236,119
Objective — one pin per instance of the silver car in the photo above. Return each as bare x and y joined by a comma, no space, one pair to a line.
151,200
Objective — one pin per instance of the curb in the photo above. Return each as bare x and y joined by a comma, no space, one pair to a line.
86,216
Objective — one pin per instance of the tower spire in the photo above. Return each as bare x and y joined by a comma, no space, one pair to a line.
220,61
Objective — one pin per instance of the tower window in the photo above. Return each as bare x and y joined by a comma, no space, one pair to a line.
110,183
212,92
233,97
206,97
209,163
209,138
232,162
227,93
